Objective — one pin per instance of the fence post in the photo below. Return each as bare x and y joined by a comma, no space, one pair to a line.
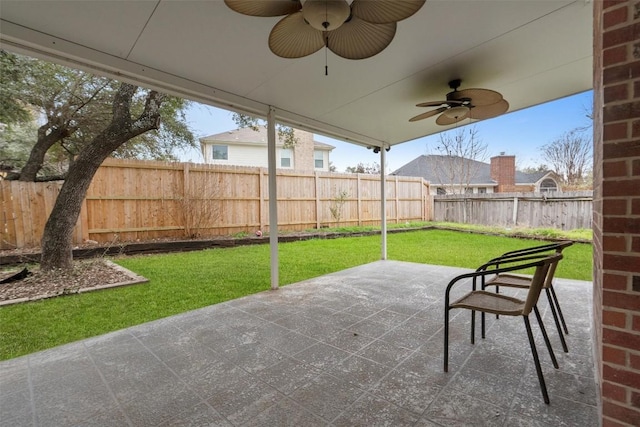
317,182
515,211
359,201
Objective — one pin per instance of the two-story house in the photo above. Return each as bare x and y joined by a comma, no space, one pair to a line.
248,147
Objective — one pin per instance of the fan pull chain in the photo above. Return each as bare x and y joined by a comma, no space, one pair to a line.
326,59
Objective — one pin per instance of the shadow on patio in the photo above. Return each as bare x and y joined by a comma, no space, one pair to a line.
361,347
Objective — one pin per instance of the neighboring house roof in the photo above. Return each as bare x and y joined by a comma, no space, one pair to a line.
246,136
436,169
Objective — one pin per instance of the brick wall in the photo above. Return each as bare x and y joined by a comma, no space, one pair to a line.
303,152
617,208
503,171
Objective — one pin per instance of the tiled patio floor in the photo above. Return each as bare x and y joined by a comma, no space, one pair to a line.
362,347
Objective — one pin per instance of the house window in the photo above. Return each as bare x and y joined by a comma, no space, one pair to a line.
468,190
318,159
220,152
548,185
285,158
441,191
482,190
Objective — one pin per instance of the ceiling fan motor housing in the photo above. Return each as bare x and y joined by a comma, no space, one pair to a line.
326,15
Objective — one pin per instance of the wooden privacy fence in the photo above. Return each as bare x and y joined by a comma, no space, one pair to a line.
141,200
565,211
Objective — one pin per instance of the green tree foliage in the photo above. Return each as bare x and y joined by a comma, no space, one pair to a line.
285,133
373,168
71,108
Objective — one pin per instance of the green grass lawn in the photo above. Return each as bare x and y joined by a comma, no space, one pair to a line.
185,281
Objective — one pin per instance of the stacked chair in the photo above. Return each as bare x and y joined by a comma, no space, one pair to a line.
503,272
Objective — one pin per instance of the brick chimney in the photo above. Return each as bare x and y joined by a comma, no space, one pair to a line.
303,151
503,171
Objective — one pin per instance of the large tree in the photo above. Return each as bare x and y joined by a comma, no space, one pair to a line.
81,120
458,156
570,157
122,127
71,108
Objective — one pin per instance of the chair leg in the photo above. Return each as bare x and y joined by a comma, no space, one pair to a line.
555,299
473,326
446,339
482,317
536,360
555,319
546,337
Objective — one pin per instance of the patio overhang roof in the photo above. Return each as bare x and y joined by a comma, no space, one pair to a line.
530,51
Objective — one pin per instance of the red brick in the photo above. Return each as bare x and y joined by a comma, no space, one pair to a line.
625,340
635,167
635,129
614,392
617,319
635,206
625,301
626,111
614,356
623,187
613,131
614,243
621,413
636,88
619,36
618,92
614,55
635,399
613,169
615,17
619,150
634,361
606,422
608,4
614,207
621,225
614,281
635,323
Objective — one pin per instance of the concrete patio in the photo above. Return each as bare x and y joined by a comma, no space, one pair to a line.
361,347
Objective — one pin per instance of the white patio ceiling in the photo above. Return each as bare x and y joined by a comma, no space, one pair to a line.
531,51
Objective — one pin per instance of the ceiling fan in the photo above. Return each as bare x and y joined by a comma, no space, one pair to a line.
357,31
462,104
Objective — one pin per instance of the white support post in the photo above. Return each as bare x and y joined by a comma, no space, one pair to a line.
383,202
273,197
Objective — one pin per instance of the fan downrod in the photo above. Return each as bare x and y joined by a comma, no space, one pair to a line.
455,84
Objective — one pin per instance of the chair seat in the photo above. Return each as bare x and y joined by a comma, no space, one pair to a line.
510,280
490,303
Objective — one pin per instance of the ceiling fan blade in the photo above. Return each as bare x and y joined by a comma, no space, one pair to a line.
488,111
427,114
479,97
264,7
444,120
294,38
358,39
385,11
436,103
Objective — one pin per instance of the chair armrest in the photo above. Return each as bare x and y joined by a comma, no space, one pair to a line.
556,246
523,264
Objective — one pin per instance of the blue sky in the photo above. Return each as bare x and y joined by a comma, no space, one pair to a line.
520,133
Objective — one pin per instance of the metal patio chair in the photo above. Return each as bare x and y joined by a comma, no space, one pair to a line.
523,282
495,303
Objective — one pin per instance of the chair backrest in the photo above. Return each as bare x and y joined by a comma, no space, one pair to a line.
539,281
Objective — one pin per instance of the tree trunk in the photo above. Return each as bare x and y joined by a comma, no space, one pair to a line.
36,157
57,241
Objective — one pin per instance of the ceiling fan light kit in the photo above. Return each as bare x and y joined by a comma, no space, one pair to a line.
326,15
357,31
459,105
